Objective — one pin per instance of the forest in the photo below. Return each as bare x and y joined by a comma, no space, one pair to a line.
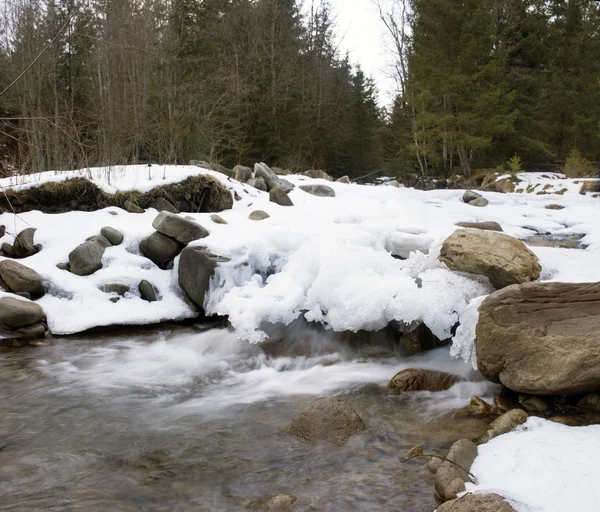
482,84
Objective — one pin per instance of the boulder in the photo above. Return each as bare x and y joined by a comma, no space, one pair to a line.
262,170
23,245
279,196
20,278
504,260
477,503
343,179
258,215
7,250
258,183
286,185
222,169
505,424
86,258
161,204
318,174
590,402
132,207
417,379
419,340
16,313
160,248
181,229
147,291
326,419
488,226
479,407
318,190
471,195
217,219
197,265
451,476
31,332
480,201
242,173
102,240
112,235
541,338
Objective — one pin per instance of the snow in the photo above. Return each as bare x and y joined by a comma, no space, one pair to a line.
542,466
327,260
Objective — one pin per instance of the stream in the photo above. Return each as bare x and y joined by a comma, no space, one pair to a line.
189,418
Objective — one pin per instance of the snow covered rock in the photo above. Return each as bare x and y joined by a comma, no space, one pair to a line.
258,183
477,503
318,174
279,196
504,260
160,249
21,279
242,173
196,267
23,246
417,379
318,190
451,476
488,225
181,229
541,338
326,419
114,236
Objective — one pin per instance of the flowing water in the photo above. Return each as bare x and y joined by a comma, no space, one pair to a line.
190,419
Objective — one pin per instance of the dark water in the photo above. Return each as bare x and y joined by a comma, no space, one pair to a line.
174,419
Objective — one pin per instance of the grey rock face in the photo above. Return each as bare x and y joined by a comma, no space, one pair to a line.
278,196
181,229
318,190
112,235
20,278
86,258
262,170
196,267
160,249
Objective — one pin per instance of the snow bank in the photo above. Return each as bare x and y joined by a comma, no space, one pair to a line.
542,466
337,261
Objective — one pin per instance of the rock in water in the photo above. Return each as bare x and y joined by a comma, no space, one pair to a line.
278,196
504,260
318,190
23,246
179,228
20,278
504,424
196,267
451,476
15,313
242,173
541,338
160,248
112,235
489,226
86,258
477,503
258,183
326,419
417,379
258,215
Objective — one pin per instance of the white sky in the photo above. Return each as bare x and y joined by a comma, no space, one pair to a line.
362,33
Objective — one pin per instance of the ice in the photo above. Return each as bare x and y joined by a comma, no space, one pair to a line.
542,466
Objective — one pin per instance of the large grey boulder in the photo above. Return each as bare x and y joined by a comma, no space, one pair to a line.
326,419
86,258
112,235
258,183
262,170
279,196
477,503
417,379
160,248
23,245
318,174
541,338
21,279
242,173
197,265
504,260
453,473
318,190
181,229
16,313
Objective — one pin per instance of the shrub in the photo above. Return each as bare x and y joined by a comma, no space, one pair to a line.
577,166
